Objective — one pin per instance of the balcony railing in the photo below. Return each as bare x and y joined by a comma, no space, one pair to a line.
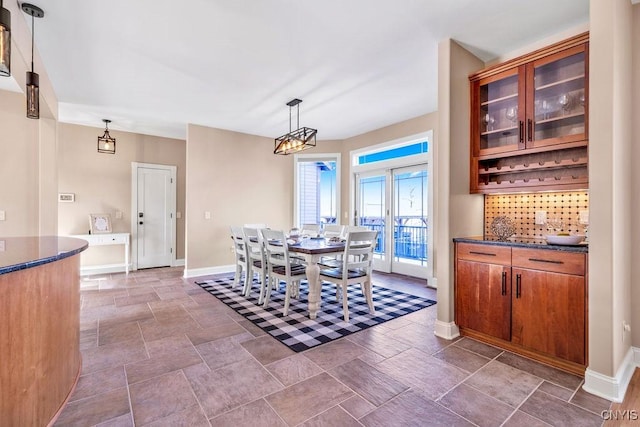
410,241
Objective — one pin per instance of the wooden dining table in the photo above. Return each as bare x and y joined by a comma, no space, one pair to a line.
312,249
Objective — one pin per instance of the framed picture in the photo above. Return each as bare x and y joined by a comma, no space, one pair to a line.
99,223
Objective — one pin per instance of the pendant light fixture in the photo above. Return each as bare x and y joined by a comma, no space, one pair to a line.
106,144
297,140
5,41
33,80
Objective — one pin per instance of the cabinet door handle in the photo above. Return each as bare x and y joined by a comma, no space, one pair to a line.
518,285
504,283
530,130
548,261
521,131
482,253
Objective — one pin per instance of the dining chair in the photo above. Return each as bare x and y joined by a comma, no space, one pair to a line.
334,230
310,230
256,225
257,261
356,268
281,268
240,250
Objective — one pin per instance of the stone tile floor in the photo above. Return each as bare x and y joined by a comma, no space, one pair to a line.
158,350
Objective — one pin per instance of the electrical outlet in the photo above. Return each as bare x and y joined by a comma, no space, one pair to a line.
207,215
118,214
2,216
541,217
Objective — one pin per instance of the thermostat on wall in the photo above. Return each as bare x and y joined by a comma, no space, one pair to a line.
66,197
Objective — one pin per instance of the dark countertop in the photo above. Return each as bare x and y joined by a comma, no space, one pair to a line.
524,243
19,253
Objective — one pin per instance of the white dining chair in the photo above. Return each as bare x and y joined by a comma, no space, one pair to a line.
280,267
257,261
310,230
334,230
356,268
240,250
256,225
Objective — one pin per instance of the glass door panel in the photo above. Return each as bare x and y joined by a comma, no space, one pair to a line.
559,99
371,212
410,219
498,118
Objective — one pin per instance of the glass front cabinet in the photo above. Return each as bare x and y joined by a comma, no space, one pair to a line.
529,121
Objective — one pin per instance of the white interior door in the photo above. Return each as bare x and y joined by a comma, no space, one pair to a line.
153,214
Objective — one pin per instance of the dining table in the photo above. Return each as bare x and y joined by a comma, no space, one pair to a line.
312,249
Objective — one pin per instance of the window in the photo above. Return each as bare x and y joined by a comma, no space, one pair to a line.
394,153
317,189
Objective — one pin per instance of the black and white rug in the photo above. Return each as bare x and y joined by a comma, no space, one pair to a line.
300,333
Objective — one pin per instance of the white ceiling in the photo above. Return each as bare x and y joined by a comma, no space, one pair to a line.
152,66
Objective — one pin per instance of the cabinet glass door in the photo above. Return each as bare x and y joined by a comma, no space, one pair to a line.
559,99
499,122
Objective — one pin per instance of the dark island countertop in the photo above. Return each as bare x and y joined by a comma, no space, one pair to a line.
524,243
19,253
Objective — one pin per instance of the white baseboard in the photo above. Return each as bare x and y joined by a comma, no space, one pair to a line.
90,270
613,388
178,263
445,330
196,272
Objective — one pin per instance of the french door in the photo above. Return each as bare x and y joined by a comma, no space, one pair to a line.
394,202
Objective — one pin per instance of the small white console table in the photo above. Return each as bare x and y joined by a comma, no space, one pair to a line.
109,239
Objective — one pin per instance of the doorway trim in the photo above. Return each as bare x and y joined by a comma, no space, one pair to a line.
134,209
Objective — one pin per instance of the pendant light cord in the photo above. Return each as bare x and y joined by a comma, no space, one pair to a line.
32,37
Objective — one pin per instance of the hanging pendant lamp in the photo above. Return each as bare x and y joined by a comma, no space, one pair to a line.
106,144
5,41
33,79
298,140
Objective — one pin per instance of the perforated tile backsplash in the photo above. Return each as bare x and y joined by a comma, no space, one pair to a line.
521,208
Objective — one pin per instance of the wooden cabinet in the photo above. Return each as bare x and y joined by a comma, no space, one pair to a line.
483,292
531,301
529,121
549,302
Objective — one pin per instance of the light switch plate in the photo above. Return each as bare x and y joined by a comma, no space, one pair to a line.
2,216
541,217
207,215
118,214
584,217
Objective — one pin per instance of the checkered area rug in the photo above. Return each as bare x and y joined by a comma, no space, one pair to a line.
300,333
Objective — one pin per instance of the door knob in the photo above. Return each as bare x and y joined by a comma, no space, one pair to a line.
140,223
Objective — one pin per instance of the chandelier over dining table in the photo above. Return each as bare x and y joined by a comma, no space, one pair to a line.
297,140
